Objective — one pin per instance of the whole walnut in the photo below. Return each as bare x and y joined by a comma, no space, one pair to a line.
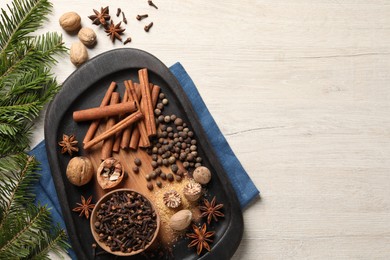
70,21
79,170
78,53
87,36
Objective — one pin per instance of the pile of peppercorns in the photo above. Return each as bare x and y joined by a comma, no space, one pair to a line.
174,144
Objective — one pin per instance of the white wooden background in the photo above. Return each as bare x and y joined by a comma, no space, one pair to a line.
301,90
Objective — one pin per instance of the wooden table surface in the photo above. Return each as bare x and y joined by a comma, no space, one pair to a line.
301,91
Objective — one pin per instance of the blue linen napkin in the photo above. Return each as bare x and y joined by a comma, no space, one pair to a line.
245,189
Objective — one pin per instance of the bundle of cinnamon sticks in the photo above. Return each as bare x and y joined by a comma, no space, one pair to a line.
129,122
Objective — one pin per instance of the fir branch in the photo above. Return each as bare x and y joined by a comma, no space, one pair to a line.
26,57
26,85
21,237
54,242
25,17
16,189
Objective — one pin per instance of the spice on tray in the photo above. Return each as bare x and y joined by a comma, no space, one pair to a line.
202,175
126,222
114,31
211,210
95,124
172,199
100,17
105,111
85,207
192,191
200,238
121,125
108,143
68,144
180,220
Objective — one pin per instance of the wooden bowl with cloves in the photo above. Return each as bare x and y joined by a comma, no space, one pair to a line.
124,222
110,173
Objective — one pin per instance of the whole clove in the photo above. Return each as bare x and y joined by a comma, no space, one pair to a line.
118,12
152,4
139,17
147,27
124,18
126,222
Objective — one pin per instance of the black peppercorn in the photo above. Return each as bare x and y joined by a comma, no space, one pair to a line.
163,176
174,168
170,177
159,184
137,161
149,186
135,169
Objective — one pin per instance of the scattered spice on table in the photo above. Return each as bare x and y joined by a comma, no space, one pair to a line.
100,17
114,31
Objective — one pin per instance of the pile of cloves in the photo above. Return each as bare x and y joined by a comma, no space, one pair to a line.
126,222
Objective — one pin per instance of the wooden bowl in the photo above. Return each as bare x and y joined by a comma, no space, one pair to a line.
105,183
107,197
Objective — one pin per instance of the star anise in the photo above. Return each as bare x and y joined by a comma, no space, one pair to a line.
100,18
201,238
211,210
114,31
68,144
84,207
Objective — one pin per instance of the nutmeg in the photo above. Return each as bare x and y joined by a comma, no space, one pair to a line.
202,175
70,21
79,170
192,191
78,53
87,36
180,220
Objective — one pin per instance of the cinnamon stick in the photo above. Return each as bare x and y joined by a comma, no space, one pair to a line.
155,93
139,136
101,112
146,103
109,142
119,136
125,139
131,119
95,124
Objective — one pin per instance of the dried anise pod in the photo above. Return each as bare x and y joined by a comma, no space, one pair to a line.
114,31
100,18
84,207
201,238
211,210
172,199
68,144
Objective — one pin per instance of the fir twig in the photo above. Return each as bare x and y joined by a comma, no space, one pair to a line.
26,85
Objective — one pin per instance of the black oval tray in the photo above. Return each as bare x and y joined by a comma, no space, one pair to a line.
85,88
